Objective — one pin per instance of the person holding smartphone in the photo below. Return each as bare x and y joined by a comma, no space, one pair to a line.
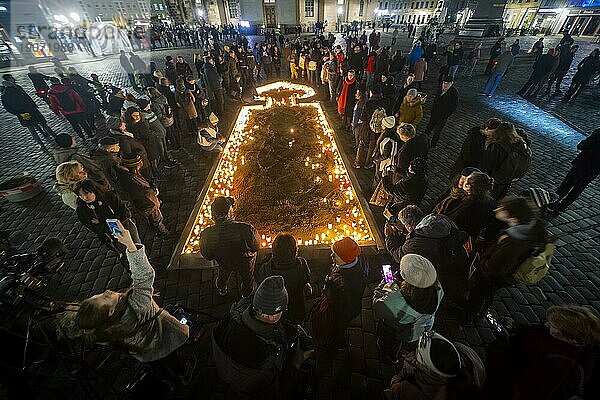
95,207
131,319
405,308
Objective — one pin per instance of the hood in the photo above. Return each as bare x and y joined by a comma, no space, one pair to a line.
59,88
419,100
534,232
435,226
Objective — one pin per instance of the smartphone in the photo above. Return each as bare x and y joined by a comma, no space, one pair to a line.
172,87
183,321
494,323
113,225
387,273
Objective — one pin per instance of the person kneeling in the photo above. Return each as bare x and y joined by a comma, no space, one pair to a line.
209,138
253,348
132,320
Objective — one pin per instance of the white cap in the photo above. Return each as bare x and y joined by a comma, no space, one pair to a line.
417,271
389,122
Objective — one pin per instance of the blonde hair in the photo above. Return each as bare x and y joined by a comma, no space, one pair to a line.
66,172
504,133
578,325
406,130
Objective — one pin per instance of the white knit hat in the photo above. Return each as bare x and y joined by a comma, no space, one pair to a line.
417,271
389,122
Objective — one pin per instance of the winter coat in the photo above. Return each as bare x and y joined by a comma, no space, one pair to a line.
586,69
147,136
415,54
161,108
438,239
108,163
39,81
418,146
253,357
296,275
130,145
470,214
444,104
543,66
402,94
471,151
356,62
213,80
154,333
565,58
382,64
419,70
376,101
347,97
93,170
232,244
339,303
182,70
387,148
417,382
504,61
141,194
406,319
186,103
410,189
493,159
57,107
169,95
499,260
532,364
412,111
109,207
17,102
588,160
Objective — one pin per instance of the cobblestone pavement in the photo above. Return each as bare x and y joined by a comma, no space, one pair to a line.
357,372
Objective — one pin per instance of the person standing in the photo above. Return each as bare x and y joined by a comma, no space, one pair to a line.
347,98
65,101
443,107
17,102
455,59
565,59
367,136
214,87
142,194
495,51
515,48
233,245
285,262
538,48
341,299
128,68
585,168
39,82
504,62
394,35
585,70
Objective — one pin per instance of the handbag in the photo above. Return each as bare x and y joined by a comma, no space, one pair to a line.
380,196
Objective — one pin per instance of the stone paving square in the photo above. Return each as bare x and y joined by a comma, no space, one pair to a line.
359,371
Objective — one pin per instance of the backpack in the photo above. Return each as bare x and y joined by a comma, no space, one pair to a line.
65,101
516,164
376,123
536,266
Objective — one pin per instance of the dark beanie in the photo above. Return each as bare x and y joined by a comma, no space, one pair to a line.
107,141
221,205
142,103
271,297
64,140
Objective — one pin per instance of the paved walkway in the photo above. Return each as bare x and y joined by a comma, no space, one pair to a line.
357,372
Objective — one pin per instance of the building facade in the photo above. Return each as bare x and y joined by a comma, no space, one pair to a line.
409,11
520,14
551,16
289,13
583,18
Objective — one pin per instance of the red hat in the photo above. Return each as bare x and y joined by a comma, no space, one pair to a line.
346,249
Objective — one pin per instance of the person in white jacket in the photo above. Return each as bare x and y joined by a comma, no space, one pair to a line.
209,138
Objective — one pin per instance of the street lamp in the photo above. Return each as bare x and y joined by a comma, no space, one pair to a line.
340,10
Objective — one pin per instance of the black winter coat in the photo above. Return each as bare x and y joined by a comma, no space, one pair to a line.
418,146
470,214
588,160
439,240
16,101
233,245
408,190
471,151
444,104
110,207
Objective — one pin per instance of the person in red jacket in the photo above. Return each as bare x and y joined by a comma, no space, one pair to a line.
65,101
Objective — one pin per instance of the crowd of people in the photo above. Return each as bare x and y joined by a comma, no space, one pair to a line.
476,240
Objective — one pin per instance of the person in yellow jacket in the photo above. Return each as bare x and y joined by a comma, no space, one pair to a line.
411,109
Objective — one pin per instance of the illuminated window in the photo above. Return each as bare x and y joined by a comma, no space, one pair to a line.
309,8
